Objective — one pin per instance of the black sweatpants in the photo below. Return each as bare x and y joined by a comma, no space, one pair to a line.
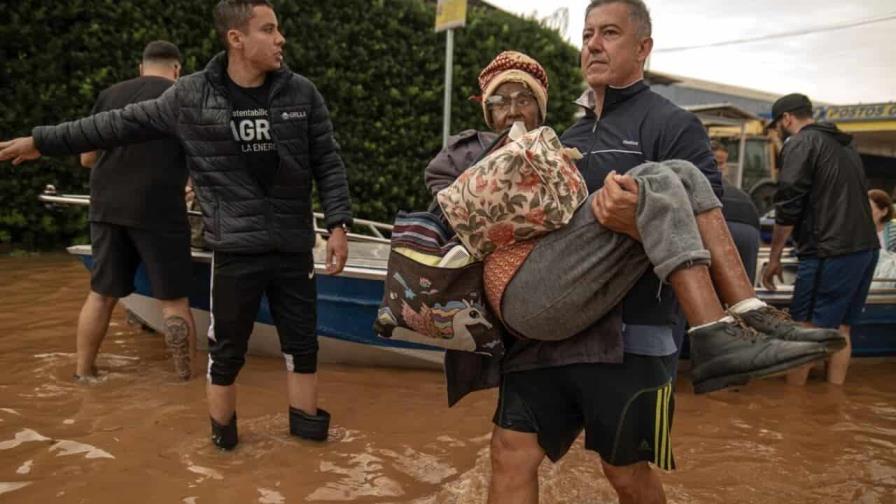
238,282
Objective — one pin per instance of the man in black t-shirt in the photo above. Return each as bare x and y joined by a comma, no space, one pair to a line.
252,129
138,214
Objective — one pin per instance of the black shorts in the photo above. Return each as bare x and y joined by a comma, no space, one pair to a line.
238,283
119,250
625,409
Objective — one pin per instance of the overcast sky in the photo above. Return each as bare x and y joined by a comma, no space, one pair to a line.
842,66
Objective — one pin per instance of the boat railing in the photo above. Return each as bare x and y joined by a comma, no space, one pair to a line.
371,231
883,289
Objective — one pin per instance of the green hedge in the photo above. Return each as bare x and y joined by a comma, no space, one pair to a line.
378,64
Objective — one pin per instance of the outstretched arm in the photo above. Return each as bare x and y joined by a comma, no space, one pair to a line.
138,122
19,150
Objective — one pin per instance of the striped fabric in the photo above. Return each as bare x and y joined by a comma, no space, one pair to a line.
663,429
423,232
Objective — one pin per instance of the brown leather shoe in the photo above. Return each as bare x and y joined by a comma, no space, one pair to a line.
778,324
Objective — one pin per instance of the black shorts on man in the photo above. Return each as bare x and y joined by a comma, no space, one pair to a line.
119,250
625,409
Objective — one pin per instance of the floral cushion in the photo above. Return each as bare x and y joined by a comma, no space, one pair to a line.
523,190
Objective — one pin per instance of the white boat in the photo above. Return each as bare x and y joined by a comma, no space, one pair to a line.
348,303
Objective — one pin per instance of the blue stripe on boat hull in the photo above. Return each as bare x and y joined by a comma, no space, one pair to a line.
346,307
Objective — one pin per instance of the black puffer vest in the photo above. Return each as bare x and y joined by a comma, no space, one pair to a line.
240,215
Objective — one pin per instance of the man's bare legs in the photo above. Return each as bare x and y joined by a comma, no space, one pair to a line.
838,363
635,483
221,402
515,458
93,322
222,411
302,390
180,335
694,290
727,270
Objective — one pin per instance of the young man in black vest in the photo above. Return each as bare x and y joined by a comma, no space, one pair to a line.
256,136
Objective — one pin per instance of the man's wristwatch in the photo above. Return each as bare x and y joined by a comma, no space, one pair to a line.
341,225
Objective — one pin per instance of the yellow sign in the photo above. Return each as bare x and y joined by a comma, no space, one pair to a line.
451,14
870,112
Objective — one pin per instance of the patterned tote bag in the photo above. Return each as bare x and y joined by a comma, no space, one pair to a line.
433,292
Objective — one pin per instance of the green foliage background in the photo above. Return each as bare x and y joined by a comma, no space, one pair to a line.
378,64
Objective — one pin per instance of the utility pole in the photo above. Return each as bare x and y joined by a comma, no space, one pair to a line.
450,14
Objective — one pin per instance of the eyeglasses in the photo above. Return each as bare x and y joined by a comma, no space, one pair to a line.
521,99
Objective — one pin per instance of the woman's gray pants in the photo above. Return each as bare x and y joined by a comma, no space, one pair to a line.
576,274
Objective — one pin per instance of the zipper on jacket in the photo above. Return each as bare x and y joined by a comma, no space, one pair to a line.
269,217
217,220
593,139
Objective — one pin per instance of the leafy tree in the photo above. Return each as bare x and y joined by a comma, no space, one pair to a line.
378,63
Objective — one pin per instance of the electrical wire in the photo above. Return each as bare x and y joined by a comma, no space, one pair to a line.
795,33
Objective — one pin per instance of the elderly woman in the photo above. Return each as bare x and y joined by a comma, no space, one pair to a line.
882,211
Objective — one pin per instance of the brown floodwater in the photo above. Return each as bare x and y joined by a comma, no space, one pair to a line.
138,435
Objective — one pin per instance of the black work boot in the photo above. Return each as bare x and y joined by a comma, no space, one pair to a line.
224,436
313,427
725,354
778,324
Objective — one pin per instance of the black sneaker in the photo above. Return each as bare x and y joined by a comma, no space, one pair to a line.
224,436
726,354
313,427
779,325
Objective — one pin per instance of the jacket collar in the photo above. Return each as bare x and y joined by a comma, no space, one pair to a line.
216,72
613,96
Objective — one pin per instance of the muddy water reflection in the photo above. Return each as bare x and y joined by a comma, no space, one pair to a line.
139,433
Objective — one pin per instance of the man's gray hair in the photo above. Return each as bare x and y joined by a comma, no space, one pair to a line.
235,14
637,11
